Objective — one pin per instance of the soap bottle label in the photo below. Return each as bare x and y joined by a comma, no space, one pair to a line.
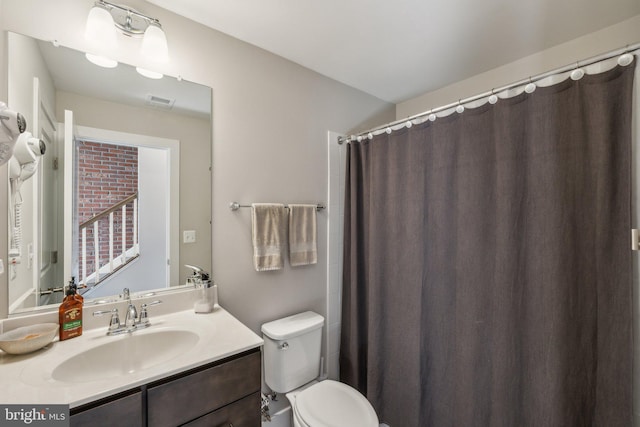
71,324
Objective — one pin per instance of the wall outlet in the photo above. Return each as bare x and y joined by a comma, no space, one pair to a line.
189,236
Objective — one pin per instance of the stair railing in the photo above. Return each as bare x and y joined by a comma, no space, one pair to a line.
100,272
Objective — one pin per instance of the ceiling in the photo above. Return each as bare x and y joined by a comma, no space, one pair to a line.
396,50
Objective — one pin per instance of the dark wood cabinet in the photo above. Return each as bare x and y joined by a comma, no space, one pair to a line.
120,410
224,393
177,401
236,414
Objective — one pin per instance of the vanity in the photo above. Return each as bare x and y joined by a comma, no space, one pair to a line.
223,393
185,369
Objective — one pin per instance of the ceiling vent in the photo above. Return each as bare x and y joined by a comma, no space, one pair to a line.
159,102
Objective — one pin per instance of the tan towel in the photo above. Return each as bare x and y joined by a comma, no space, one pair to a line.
303,248
268,230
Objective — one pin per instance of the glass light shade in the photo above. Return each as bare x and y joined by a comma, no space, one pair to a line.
101,61
154,44
100,29
149,74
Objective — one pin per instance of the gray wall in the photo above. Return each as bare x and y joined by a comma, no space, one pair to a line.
616,36
271,118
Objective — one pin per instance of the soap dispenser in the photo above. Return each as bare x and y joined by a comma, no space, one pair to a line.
205,301
207,290
70,315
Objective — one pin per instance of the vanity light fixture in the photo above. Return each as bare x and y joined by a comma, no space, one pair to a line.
106,18
101,61
149,74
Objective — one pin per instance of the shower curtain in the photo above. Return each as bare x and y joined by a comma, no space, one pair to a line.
487,269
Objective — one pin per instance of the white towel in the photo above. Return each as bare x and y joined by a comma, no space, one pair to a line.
268,231
303,235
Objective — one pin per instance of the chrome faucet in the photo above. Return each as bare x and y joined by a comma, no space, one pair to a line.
132,314
132,321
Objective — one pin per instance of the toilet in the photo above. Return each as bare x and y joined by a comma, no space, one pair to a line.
292,366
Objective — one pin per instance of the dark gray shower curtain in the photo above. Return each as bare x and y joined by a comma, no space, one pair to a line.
487,270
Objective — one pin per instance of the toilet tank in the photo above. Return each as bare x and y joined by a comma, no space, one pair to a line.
292,351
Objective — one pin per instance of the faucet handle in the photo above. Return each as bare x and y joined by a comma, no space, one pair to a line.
143,320
114,322
156,302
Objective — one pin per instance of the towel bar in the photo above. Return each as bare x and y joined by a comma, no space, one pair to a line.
234,206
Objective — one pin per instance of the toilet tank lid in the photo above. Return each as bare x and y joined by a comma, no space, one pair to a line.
292,326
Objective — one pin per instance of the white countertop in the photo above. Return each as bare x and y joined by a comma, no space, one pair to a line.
27,379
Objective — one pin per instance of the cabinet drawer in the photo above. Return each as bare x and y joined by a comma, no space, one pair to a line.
186,398
243,413
123,411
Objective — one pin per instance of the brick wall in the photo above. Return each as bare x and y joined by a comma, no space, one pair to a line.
107,174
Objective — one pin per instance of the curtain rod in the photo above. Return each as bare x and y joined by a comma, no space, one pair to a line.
533,79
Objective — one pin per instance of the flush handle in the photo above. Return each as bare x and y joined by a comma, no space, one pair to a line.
284,346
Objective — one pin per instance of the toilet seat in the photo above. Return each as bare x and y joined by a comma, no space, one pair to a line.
333,404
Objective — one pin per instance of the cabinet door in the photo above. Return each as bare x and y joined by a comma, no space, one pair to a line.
243,413
191,396
124,411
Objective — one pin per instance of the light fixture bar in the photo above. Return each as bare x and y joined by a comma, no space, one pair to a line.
131,22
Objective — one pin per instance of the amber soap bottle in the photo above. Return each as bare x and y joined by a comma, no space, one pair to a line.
70,315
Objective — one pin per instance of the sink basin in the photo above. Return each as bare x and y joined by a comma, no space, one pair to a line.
125,354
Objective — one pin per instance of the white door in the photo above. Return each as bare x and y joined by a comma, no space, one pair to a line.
67,233
43,252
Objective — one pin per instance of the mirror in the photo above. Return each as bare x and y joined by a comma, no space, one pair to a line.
121,196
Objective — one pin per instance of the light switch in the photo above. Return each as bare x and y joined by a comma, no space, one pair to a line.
189,236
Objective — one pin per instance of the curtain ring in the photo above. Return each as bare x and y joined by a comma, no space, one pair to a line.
460,108
531,87
577,73
493,98
626,58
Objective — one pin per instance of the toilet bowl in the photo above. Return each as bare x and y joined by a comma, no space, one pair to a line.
331,403
292,365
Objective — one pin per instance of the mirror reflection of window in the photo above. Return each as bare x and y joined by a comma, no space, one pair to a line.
107,193
123,192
